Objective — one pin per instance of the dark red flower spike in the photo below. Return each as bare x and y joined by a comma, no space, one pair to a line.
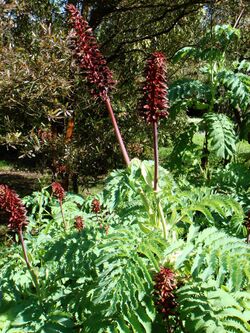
88,55
165,285
96,206
154,103
79,223
94,65
58,191
12,204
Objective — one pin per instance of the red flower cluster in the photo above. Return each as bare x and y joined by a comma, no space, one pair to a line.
165,284
96,207
88,55
79,223
58,191
154,103
12,204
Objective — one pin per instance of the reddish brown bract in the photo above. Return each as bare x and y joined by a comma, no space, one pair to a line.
88,55
12,204
154,103
165,284
58,191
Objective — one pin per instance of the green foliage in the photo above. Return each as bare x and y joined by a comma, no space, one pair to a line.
222,91
5,166
223,35
238,85
211,253
220,130
124,284
188,93
201,207
28,316
233,180
129,193
205,308
43,208
101,278
64,266
215,297
186,153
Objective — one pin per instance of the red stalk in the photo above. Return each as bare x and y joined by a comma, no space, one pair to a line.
117,131
156,155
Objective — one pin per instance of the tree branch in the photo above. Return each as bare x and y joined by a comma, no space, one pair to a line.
118,51
161,5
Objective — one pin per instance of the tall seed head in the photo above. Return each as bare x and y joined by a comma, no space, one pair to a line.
88,55
154,103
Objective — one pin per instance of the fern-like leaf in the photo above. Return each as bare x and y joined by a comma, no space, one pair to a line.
221,133
205,308
124,282
211,253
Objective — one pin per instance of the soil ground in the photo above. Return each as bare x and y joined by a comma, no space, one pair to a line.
22,182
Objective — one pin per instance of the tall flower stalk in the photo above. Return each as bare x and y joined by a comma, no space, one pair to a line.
12,205
59,193
94,66
154,103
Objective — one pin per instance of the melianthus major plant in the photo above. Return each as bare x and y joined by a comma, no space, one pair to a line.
123,280
134,252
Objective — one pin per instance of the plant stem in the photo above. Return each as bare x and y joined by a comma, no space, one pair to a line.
20,234
30,268
63,218
117,131
163,221
156,155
